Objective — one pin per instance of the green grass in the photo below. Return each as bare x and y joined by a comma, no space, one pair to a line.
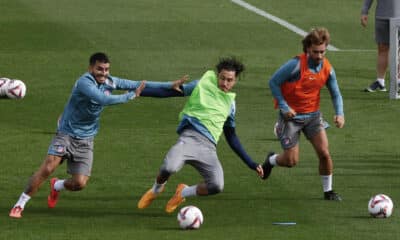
47,44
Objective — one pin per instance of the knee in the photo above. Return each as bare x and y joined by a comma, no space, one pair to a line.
215,188
79,184
291,162
324,158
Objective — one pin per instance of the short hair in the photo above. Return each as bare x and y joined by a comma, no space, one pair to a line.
316,36
230,64
98,57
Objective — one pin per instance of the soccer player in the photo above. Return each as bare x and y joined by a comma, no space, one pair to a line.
385,9
296,88
209,111
78,125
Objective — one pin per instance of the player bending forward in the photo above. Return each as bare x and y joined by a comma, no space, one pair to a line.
209,111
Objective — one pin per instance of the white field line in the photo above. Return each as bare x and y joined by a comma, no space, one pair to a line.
273,18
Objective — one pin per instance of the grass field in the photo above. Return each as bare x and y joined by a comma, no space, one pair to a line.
47,44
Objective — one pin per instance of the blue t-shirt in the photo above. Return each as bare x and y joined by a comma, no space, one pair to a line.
81,114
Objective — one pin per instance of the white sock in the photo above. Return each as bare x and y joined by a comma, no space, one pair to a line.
23,199
272,159
189,191
326,182
59,185
158,187
381,81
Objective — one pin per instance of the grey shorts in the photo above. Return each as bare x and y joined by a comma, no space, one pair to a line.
78,152
195,149
288,130
382,31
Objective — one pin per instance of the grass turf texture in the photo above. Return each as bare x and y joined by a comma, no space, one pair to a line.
47,44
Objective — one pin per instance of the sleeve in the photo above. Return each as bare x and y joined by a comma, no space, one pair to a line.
188,88
89,89
233,140
287,71
125,84
366,6
336,96
236,146
163,92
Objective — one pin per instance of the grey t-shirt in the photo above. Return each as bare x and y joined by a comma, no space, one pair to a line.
385,9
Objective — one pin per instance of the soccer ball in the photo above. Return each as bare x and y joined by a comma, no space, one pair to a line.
190,217
3,84
380,206
15,89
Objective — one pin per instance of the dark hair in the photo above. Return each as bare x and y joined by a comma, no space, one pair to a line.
230,64
98,57
316,36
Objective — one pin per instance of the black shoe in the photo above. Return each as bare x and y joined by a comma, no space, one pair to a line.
267,167
331,195
375,86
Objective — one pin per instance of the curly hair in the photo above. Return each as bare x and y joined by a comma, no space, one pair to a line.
316,36
230,64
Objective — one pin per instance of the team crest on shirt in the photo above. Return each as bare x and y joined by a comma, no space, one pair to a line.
107,92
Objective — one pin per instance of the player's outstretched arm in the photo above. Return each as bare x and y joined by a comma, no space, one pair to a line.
139,89
184,89
177,84
236,146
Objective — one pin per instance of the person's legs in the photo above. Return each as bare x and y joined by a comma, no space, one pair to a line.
157,188
76,183
205,161
46,169
382,35
382,61
288,134
289,157
320,144
79,165
36,180
321,147
173,162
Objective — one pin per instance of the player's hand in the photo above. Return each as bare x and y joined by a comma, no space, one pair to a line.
364,20
139,89
339,121
178,83
289,114
260,171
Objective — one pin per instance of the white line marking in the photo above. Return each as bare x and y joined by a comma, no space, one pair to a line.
280,21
